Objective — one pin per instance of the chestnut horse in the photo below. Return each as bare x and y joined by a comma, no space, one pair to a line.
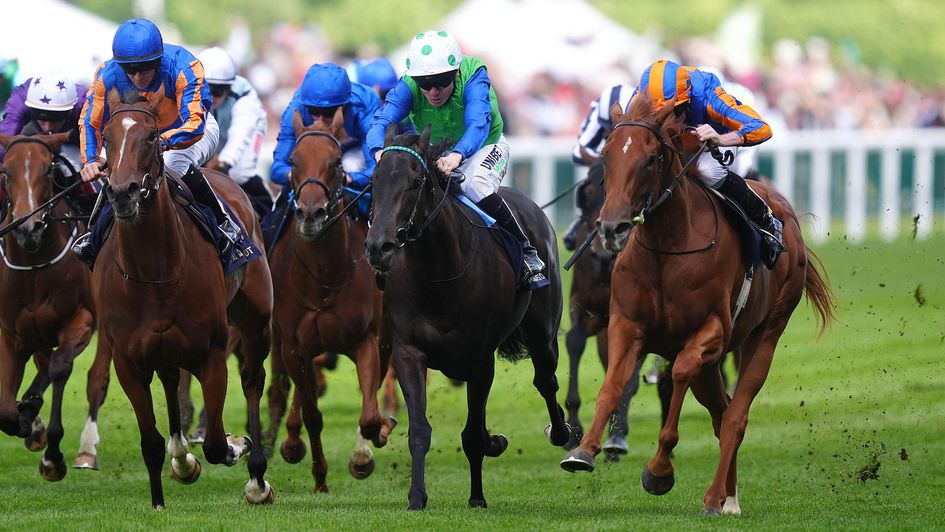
326,299
675,287
452,298
164,302
46,309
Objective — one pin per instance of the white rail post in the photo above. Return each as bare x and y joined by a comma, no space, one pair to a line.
889,190
923,190
856,194
820,194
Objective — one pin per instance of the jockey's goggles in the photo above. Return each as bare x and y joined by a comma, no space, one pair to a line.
144,66
46,115
438,81
325,112
219,91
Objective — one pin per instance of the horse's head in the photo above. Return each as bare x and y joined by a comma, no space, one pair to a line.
318,180
26,179
133,150
403,187
637,157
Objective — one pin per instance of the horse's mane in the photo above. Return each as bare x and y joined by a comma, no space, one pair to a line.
666,118
431,152
132,96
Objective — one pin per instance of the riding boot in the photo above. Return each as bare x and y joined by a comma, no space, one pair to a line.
203,194
758,211
496,207
571,235
83,246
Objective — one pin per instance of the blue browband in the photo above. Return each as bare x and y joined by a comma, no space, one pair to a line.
408,150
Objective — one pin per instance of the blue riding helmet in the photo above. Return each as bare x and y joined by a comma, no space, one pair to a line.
136,41
325,85
378,72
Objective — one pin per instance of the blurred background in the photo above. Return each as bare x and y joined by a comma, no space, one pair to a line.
854,93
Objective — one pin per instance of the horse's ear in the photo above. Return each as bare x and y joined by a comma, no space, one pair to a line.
338,121
56,141
297,124
114,99
666,111
616,112
424,141
390,134
4,140
155,98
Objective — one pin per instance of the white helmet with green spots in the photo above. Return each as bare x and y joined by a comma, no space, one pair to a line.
433,52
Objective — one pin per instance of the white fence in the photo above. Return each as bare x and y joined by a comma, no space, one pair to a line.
857,178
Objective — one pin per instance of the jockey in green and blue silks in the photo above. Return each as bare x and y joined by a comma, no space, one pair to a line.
453,95
324,89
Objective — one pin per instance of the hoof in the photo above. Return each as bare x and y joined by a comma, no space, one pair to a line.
577,433
237,447
497,445
387,427
52,471
194,473
611,458
36,441
616,445
731,506
320,488
655,485
85,460
197,436
256,496
710,511
361,471
578,460
478,503
558,440
292,454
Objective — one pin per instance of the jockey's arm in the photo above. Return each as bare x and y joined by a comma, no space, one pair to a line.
477,115
396,108
90,126
248,123
740,119
192,95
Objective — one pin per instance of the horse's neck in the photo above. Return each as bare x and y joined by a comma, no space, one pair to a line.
673,223
330,258
440,252
153,246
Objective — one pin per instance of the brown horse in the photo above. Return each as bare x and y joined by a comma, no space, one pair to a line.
164,302
326,298
46,308
675,287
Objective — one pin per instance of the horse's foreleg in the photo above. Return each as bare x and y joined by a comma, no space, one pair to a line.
277,395
11,376
709,390
476,440
625,343
411,372
218,448
575,341
185,468
185,401
72,340
255,348
95,390
31,425
658,476
293,448
301,369
135,382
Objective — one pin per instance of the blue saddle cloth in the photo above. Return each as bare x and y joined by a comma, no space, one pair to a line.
231,256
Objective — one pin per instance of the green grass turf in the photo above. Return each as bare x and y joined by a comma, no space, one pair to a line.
871,391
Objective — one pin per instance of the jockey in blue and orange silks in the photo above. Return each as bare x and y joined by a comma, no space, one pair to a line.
722,121
142,63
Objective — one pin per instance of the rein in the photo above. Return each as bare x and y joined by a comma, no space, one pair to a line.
402,234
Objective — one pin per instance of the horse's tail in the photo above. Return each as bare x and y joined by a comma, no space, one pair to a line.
818,291
513,347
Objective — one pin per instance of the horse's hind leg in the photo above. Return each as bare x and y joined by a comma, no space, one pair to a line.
389,399
575,341
411,372
476,440
542,344
186,403
218,447
277,395
616,443
185,468
709,390
293,448
95,390
255,348
368,361
72,340
135,382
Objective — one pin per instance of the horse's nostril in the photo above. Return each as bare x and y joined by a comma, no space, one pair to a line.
623,228
388,248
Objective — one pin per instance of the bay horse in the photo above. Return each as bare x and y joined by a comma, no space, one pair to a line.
46,310
452,298
326,299
589,308
676,283
164,302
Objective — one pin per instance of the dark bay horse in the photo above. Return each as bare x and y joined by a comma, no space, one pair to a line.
46,307
326,299
675,286
451,299
164,302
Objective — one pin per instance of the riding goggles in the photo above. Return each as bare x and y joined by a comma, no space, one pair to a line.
438,81
143,66
325,112
219,91
46,115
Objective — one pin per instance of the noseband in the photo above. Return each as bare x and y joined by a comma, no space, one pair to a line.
146,187
334,195
403,235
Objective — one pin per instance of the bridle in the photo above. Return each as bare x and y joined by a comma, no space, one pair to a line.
403,235
334,195
155,182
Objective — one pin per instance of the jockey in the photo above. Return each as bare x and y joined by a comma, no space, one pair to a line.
242,121
142,63
454,94
594,132
49,104
324,89
377,73
720,120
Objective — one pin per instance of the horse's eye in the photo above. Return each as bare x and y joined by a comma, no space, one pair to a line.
152,138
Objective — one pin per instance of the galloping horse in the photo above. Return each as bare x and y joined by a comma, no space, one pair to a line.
164,302
46,308
451,299
676,287
326,299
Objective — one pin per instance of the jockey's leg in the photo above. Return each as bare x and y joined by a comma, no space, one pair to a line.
83,246
496,207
